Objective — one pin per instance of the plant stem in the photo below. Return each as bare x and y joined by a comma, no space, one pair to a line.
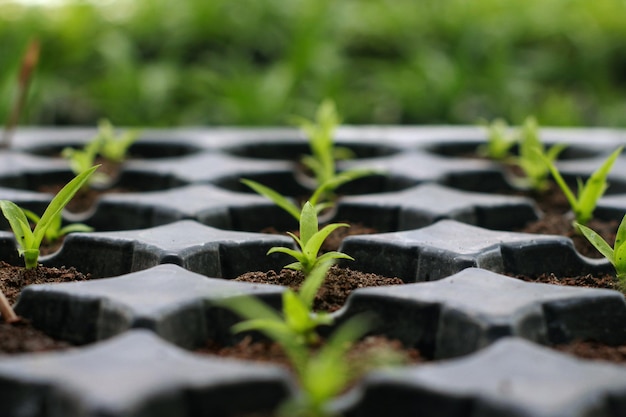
29,62
6,310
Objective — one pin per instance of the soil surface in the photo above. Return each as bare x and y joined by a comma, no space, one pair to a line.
607,281
14,278
594,350
339,283
21,337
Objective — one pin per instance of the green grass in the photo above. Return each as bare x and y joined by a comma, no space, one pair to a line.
256,62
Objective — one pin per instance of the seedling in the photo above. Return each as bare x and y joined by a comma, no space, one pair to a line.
114,148
56,230
298,322
588,193
324,153
532,157
29,240
616,255
292,208
321,375
499,141
310,242
81,160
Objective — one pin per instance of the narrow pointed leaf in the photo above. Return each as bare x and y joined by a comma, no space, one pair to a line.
312,283
18,222
308,223
274,196
620,236
597,241
60,201
314,244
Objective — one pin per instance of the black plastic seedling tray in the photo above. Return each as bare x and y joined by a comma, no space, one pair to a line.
163,254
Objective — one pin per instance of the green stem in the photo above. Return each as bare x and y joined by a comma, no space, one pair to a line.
31,256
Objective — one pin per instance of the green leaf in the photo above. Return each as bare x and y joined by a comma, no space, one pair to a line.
59,202
620,261
274,196
334,255
620,236
308,223
75,228
18,222
249,308
597,241
291,252
313,245
313,282
297,315
595,187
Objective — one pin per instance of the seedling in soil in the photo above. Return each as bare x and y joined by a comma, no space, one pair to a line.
324,374
292,208
310,241
588,193
324,153
112,147
81,160
29,240
616,255
500,141
298,322
532,157
56,230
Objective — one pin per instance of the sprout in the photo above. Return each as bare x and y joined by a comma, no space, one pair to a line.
29,240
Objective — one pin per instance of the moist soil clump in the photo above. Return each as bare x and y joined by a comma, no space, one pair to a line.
268,351
14,278
21,337
332,295
594,350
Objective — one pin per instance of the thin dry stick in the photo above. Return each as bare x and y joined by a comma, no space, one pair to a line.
29,62
6,310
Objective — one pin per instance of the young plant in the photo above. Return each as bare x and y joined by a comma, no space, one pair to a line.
29,240
324,153
298,322
590,192
56,230
499,141
292,208
321,375
81,160
114,148
616,255
532,157
310,242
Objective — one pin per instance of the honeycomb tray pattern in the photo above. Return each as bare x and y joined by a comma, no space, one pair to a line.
163,256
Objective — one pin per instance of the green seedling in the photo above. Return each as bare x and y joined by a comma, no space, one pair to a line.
588,193
81,160
29,240
114,148
56,230
500,141
298,322
324,152
292,208
310,242
616,255
532,157
323,375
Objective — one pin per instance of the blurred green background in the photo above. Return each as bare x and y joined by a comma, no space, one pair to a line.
256,62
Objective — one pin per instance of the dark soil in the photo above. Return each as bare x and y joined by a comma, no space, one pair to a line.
339,283
270,352
14,278
21,337
607,281
594,350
